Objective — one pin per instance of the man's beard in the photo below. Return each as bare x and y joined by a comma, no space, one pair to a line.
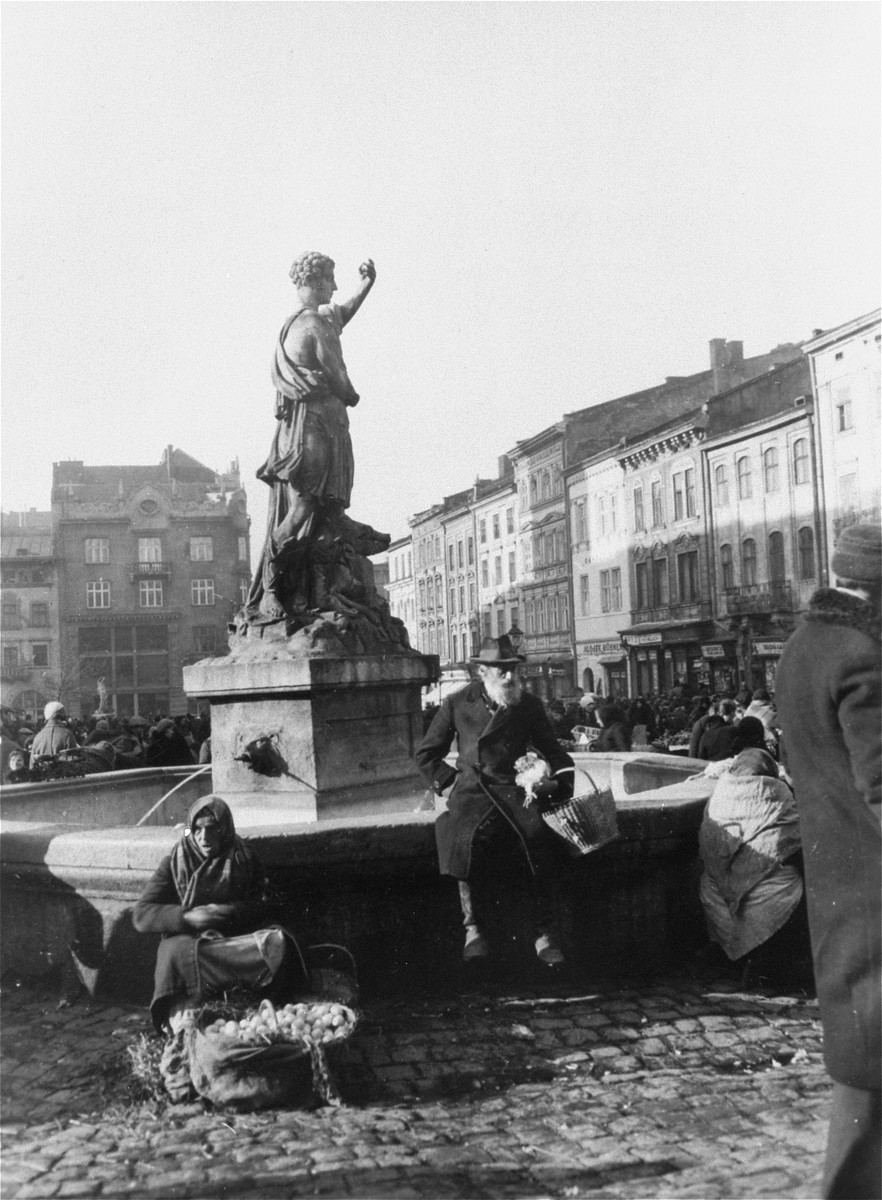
504,692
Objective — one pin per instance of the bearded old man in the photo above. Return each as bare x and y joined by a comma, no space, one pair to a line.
829,697
487,833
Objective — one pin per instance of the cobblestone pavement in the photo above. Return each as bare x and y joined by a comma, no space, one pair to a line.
681,1088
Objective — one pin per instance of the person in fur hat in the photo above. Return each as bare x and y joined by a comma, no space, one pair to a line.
829,698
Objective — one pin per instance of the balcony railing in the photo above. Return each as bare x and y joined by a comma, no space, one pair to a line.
151,570
660,613
17,672
776,596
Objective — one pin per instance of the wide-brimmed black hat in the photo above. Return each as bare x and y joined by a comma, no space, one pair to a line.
497,652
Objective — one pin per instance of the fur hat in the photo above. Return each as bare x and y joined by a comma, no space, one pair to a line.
52,709
858,554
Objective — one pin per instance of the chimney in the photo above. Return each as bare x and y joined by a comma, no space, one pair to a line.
726,360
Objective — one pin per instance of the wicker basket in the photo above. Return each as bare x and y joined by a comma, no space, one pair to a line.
585,822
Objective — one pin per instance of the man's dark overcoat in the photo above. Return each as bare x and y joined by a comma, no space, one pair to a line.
828,698
488,744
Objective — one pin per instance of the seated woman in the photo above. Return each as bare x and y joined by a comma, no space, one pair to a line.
210,887
615,733
749,847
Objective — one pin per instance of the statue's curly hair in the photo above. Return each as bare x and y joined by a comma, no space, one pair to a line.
309,266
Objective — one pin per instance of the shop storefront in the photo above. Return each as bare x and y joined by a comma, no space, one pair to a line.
550,678
660,660
766,656
720,667
603,667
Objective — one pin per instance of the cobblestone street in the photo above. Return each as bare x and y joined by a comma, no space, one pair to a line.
682,1088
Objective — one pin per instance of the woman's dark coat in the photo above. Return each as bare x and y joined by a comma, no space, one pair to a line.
488,745
828,699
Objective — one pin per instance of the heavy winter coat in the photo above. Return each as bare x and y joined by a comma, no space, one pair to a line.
829,698
488,745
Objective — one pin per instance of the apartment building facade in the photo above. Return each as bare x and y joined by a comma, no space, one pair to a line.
400,586
153,562
30,661
847,387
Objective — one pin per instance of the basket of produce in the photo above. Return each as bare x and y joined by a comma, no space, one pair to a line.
258,1057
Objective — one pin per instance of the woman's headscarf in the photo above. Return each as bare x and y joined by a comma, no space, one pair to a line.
754,762
229,875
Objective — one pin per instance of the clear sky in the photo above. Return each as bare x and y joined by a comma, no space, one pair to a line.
564,202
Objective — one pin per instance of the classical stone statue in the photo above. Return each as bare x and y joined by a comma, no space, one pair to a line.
314,572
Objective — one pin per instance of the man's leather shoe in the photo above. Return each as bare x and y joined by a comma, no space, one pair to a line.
548,951
475,944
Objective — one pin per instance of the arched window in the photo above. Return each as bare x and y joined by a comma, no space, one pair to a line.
721,484
770,469
748,561
727,573
801,461
776,556
745,487
805,541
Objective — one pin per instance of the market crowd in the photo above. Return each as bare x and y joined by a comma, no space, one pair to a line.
61,746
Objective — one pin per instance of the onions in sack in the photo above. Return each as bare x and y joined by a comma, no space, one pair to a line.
315,1023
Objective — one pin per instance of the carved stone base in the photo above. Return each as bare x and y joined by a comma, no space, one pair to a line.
311,738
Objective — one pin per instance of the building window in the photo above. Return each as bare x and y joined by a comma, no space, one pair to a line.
451,560
500,622
776,556
487,622
534,490
452,600
97,550
460,554
726,568
800,461
546,484
98,594
583,595
243,549
485,573
512,571
473,599
689,481
482,530
509,520
660,581
613,513
679,498
205,639
658,516
604,591
580,522
39,614
805,541
497,569
10,656
455,648
601,508
201,549
471,552
201,592
616,588
10,613
721,483
149,550
639,522
745,488
150,593
770,469
748,562
462,602
848,492
687,576
844,415
244,589
641,578
495,526
40,654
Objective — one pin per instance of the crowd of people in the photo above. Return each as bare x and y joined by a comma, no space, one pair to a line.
61,746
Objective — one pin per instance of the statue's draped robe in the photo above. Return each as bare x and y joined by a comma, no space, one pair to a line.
310,466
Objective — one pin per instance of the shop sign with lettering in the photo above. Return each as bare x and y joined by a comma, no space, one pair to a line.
768,647
713,651
644,639
612,647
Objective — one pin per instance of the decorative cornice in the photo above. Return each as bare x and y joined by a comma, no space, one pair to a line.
673,443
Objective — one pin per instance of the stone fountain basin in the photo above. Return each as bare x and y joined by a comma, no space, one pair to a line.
370,882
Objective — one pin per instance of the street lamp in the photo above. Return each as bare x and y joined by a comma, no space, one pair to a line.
516,637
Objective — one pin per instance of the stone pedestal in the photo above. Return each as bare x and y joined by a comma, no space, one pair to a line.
341,733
